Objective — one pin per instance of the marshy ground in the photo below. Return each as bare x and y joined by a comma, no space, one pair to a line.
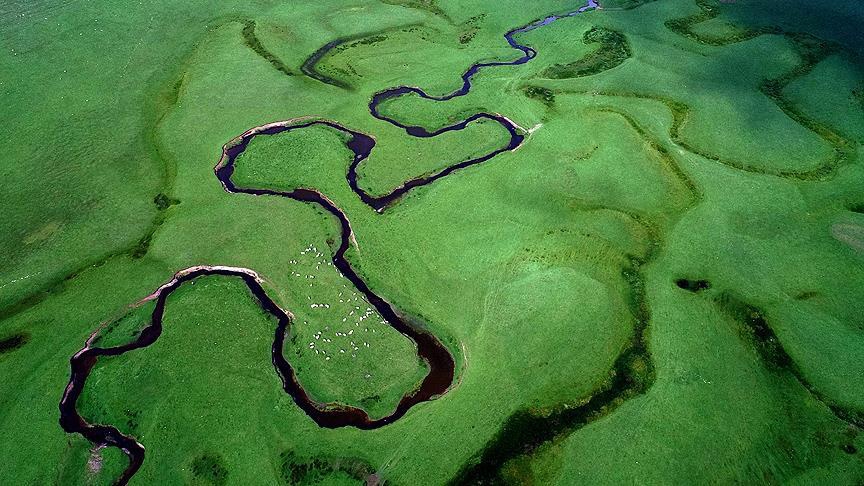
658,284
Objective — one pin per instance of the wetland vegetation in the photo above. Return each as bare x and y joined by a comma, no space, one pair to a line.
432,242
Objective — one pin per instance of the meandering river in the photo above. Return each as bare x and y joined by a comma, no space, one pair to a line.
439,360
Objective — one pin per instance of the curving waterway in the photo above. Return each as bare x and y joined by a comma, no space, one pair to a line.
440,362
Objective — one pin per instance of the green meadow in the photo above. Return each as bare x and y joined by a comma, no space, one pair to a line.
661,285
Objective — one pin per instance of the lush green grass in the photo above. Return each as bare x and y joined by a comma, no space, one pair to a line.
125,328
390,165
59,76
293,159
828,94
82,463
612,49
724,151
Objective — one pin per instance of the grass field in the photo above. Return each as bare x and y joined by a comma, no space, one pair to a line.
659,286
